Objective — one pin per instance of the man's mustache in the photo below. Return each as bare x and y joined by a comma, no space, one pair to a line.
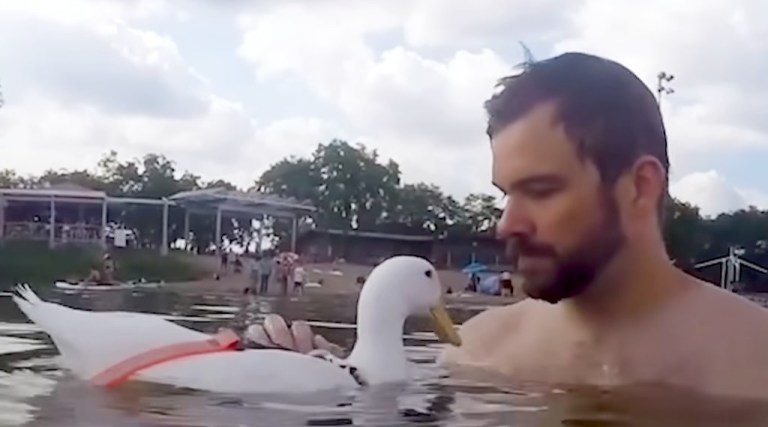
523,246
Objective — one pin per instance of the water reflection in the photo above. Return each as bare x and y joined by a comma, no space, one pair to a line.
35,392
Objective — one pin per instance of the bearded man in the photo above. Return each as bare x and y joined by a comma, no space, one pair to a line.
580,152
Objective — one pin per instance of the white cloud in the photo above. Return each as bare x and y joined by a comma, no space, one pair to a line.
402,98
96,61
478,23
717,102
713,194
398,100
79,12
405,77
323,41
88,83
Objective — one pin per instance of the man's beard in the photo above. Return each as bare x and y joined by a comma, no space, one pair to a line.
574,272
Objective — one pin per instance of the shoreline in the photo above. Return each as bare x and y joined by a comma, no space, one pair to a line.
337,279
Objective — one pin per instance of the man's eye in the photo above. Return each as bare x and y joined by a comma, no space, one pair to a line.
541,192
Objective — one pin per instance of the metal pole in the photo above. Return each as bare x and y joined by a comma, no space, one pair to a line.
661,88
218,230
724,273
2,218
52,224
186,229
164,247
262,224
294,230
104,223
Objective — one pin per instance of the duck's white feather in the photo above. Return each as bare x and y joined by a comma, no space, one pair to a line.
251,371
90,342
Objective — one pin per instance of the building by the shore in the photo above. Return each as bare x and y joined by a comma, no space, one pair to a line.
368,248
67,213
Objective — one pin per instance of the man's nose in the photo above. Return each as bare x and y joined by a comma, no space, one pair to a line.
514,221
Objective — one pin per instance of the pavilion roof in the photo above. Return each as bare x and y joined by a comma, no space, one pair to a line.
241,201
58,191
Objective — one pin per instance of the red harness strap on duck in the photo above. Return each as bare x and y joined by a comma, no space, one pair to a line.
225,340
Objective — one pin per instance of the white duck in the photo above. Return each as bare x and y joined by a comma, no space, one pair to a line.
95,345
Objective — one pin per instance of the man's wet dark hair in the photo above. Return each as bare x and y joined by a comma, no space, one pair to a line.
608,112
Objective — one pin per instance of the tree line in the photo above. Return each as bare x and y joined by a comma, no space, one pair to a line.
353,188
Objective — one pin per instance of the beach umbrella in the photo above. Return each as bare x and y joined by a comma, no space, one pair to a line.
489,285
287,257
474,268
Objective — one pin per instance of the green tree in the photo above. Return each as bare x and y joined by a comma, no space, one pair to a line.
291,177
81,178
348,184
684,232
417,208
217,183
354,189
482,212
155,176
10,179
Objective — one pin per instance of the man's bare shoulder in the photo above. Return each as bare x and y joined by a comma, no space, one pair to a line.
727,325
730,308
484,332
733,341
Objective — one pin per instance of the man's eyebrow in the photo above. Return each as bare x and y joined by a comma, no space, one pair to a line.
541,179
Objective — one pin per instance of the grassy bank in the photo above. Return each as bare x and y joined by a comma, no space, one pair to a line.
34,263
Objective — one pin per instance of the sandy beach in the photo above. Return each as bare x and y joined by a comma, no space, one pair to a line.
338,278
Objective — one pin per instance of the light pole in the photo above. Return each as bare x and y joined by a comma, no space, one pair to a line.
662,88
730,267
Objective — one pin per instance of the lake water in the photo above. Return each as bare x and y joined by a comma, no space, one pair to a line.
35,392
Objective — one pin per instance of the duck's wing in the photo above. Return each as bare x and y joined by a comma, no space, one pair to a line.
90,342
266,371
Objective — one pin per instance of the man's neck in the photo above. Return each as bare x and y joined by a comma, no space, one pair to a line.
637,282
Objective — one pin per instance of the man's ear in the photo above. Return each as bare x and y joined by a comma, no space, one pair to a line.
646,186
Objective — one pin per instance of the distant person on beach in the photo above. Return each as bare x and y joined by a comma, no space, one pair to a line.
224,256
299,278
579,149
109,269
103,272
94,276
474,281
254,274
231,256
283,273
238,264
265,273
505,285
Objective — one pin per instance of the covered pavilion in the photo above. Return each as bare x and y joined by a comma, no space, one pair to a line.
220,201
62,217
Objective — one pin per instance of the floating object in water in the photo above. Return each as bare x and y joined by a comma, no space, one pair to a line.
108,348
103,286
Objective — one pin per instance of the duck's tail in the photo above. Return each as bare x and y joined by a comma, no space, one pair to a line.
90,342
27,301
52,319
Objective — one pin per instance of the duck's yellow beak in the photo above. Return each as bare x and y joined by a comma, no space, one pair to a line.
443,325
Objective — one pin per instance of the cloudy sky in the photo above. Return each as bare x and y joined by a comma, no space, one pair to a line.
227,87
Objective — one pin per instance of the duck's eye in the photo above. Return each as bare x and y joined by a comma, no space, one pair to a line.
428,273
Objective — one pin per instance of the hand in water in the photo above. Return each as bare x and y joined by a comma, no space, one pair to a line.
299,337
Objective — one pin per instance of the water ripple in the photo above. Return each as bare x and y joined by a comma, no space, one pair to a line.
33,389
